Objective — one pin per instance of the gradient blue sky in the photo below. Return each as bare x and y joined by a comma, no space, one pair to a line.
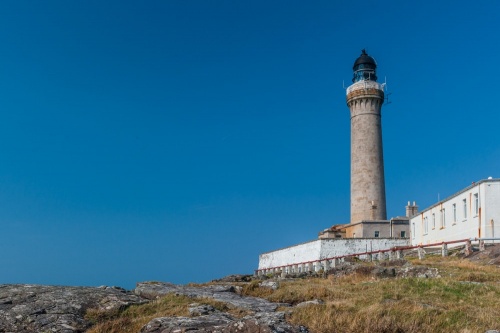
177,140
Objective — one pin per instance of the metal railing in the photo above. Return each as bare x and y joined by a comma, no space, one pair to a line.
365,84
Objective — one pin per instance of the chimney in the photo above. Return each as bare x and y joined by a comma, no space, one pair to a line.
411,210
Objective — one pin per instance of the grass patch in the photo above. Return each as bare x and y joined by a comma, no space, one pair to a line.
465,299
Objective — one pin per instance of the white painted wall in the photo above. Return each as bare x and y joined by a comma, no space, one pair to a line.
294,254
325,248
491,209
345,246
483,222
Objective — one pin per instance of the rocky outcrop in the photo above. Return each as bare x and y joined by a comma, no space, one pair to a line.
269,284
490,255
264,318
263,322
399,268
223,293
210,320
235,278
34,308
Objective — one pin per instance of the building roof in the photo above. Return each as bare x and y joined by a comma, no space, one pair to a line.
365,59
474,184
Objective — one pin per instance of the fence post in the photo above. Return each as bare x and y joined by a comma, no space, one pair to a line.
421,253
444,250
327,266
481,245
399,254
392,255
468,248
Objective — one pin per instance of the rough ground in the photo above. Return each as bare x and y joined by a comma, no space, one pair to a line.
44,309
226,294
217,322
33,308
490,255
264,318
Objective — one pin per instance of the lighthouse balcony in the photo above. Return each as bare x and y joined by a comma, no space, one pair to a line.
365,85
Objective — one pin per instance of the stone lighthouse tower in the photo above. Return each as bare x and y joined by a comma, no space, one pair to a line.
364,99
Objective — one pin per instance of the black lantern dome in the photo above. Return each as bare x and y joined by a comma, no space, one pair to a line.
364,68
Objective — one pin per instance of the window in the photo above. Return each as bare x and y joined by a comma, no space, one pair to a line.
413,230
443,218
454,213
426,225
476,203
465,208
403,234
433,221
377,233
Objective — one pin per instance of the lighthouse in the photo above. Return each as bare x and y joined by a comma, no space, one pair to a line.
365,98
368,231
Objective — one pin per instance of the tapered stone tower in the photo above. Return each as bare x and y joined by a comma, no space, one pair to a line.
364,99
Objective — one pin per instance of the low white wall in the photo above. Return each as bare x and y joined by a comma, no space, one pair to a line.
294,254
326,248
344,246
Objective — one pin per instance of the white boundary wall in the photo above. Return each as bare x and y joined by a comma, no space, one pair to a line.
326,248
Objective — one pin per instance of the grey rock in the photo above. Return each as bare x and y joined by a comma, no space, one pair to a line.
222,293
238,289
196,309
384,272
174,324
34,308
394,262
313,302
235,278
402,270
471,282
262,322
263,319
418,271
55,309
269,284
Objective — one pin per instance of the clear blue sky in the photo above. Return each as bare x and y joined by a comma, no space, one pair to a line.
177,140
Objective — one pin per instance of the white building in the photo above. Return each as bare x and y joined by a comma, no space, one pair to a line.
474,212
